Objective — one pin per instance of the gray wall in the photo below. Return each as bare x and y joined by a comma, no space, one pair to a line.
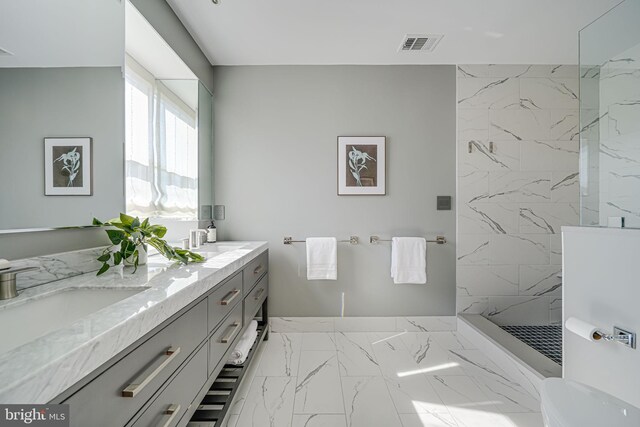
275,132
47,102
164,20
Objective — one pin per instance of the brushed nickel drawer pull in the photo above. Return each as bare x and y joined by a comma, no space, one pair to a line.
229,297
257,270
231,332
150,373
259,293
172,411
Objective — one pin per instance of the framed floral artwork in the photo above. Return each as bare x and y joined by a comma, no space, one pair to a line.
67,167
361,165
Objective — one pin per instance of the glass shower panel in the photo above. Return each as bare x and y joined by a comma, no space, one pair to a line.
610,117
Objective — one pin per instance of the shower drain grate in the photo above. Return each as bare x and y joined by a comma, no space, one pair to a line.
545,339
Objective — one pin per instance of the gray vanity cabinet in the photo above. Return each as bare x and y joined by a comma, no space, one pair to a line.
254,299
120,391
222,339
224,299
174,400
160,380
254,270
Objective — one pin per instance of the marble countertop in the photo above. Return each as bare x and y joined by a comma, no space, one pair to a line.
38,371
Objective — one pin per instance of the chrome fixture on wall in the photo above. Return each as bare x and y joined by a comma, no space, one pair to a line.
374,240
354,240
620,335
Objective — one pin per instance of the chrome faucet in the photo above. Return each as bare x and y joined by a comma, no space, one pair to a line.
8,281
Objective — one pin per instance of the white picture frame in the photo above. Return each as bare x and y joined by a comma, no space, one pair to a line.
362,166
68,166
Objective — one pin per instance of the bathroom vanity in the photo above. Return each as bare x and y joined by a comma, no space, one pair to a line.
150,358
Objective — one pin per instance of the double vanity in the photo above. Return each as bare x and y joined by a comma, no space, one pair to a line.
139,349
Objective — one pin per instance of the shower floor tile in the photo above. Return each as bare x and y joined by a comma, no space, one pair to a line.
545,339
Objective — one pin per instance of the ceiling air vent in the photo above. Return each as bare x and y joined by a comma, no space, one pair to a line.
420,42
4,52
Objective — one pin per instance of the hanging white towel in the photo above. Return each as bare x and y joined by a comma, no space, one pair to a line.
240,353
409,260
322,258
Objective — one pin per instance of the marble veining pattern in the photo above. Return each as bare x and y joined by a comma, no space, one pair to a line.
355,355
57,267
318,372
410,391
612,139
518,184
41,369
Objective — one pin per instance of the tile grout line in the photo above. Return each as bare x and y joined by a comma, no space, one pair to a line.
386,383
344,402
426,379
295,382
335,351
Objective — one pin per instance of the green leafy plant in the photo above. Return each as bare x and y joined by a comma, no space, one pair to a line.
129,233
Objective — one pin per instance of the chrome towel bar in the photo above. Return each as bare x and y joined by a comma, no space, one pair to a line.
374,240
354,240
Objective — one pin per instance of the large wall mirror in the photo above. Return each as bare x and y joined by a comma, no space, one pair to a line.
61,78
168,126
126,123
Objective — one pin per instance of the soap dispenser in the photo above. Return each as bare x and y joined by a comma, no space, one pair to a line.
212,233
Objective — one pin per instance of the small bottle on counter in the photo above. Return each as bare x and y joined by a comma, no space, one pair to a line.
212,233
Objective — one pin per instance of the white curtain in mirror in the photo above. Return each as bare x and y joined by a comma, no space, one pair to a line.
161,149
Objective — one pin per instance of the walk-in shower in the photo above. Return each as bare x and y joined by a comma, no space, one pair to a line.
605,189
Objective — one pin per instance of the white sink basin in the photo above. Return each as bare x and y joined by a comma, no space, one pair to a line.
26,321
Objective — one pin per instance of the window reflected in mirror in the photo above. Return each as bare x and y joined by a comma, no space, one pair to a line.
161,153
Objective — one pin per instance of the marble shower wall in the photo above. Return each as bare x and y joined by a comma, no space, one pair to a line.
619,130
518,147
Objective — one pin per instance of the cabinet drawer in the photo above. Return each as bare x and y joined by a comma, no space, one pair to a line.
254,270
174,400
139,374
224,337
224,299
256,297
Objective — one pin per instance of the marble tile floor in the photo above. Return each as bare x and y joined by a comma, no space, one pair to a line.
388,379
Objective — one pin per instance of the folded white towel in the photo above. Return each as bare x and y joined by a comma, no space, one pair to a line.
245,343
409,260
240,353
240,360
4,264
322,258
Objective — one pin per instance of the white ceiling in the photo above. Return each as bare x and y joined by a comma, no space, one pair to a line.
62,33
269,32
